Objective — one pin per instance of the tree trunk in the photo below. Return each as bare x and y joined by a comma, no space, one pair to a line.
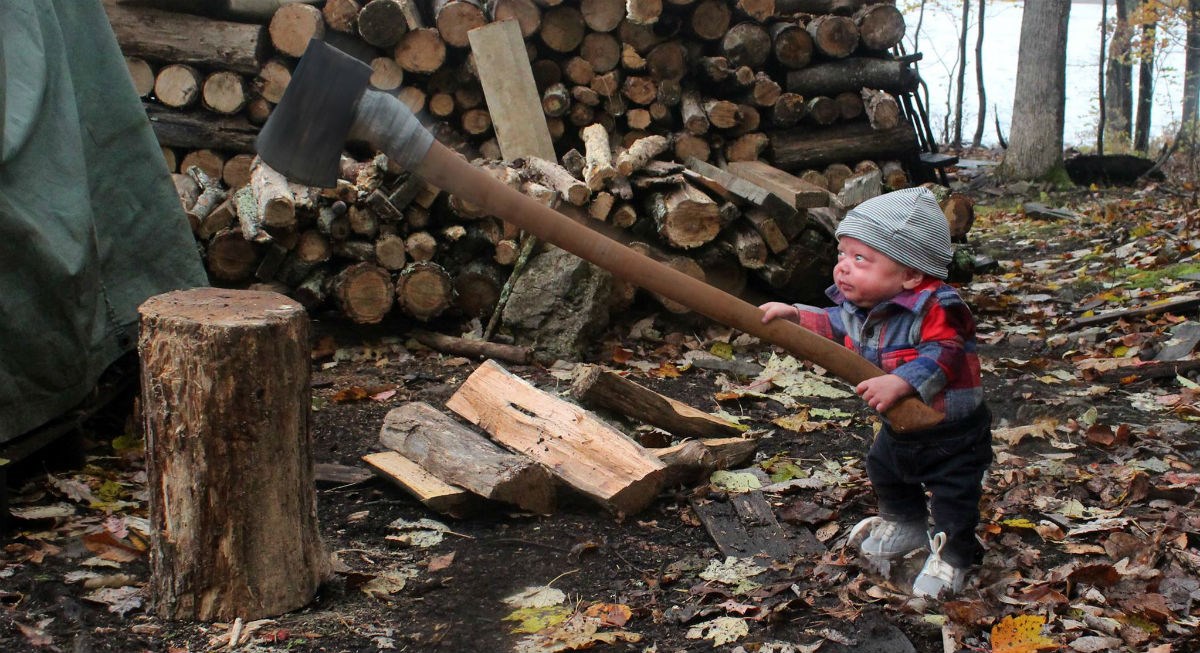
1191,76
961,75
981,116
1145,101
1035,150
229,455
1118,93
1100,123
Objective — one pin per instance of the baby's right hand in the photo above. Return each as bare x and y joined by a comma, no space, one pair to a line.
772,310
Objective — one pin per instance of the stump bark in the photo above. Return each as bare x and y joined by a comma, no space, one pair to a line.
225,397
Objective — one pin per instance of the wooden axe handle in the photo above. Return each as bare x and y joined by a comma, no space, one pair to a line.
447,170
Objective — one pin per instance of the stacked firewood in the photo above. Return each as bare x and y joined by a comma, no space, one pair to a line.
721,138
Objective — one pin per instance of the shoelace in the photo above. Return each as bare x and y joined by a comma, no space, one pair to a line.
869,522
935,566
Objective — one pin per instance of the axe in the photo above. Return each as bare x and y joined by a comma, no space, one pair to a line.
327,102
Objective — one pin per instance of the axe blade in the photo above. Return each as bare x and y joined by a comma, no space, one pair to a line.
305,134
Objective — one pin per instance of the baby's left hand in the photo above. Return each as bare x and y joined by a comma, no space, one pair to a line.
882,392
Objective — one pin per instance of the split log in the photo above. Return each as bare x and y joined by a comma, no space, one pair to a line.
794,191
229,540
960,212
791,44
746,44
456,18
421,51
595,386
722,114
746,191
479,349
464,458
852,74
883,111
431,491
553,175
684,216
294,25
155,35
584,452
748,245
641,152
849,142
177,86
382,23
860,187
424,290
363,292
880,26
687,462
710,19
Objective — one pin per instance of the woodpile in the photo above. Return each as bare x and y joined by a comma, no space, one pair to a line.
721,137
537,442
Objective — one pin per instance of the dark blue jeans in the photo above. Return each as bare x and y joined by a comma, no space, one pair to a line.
948,461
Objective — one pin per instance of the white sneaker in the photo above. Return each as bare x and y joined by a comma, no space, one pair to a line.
938,577
890,539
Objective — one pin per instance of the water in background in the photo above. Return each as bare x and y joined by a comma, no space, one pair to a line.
938,41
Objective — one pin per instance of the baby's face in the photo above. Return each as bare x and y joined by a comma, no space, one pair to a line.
867,277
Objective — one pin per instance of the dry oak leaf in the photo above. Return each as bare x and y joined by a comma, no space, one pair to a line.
1021,634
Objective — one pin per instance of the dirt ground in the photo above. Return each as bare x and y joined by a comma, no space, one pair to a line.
453,595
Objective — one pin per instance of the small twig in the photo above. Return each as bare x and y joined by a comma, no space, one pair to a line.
522,259
565,573
514,540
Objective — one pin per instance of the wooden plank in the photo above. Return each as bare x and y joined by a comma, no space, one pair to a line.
601,388
580,449
744,526
795,191
436,494
512,96
745,190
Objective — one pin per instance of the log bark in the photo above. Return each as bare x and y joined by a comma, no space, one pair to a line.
850,105
598,164
836,175
727,453
464,458
229,257
851,142
479,349
550,174
229,538
894,176
276,204
154,35
852,74
424,290
200,129
822,110
597,387
585,453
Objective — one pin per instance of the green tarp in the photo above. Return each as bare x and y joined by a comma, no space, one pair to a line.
90,225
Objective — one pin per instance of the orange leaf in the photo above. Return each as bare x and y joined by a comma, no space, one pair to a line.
609,614
621,355
109,548
354,393
666,371
1021,634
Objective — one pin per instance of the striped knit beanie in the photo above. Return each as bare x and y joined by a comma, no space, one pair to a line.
906,225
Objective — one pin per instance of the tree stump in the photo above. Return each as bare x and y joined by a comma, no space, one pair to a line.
225,401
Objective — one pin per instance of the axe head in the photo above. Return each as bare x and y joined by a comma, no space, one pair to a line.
305,134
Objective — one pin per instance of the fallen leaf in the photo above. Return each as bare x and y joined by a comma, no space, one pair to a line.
535,619
35,636
438,563
734,481
536,597
610,614
350,395
119,600
1021,634
388,583
721,630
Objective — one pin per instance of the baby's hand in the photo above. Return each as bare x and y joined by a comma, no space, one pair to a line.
882,392
772,310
